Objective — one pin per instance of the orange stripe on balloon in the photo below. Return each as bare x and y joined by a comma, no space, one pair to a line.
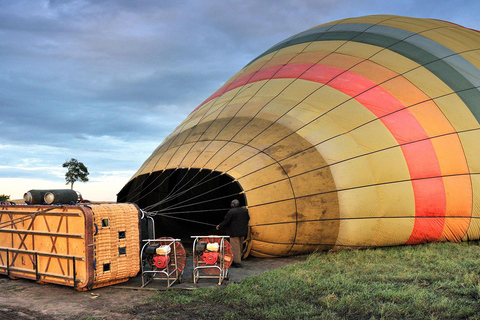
419,153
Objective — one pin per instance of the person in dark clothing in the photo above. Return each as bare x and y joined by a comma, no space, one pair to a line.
236,225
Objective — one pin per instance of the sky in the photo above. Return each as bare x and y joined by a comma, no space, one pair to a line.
105,81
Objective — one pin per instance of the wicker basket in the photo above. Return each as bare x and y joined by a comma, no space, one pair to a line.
84,247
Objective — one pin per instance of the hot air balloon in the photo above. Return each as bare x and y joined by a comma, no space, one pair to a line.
357,133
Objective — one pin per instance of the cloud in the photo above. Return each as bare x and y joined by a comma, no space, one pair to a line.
106,81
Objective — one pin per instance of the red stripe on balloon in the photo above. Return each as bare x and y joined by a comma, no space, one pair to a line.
418,150
420,156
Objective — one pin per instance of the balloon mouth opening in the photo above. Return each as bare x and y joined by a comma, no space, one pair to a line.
184,202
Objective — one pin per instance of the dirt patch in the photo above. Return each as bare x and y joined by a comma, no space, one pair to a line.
25,299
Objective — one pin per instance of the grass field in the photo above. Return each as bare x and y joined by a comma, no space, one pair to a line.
432,281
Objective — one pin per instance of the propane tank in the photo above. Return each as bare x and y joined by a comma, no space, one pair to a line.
35,196
64,196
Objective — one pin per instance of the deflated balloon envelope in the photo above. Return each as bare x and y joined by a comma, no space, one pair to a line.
357,133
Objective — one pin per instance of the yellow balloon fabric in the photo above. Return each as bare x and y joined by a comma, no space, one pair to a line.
357,133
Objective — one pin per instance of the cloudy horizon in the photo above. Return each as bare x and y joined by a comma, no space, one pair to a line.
106,81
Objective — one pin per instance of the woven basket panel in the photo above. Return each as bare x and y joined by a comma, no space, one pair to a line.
117,243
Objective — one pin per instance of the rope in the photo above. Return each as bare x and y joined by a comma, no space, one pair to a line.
175,186
196,203
183,219
182,212
180,194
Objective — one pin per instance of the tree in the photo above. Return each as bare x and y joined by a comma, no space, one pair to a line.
76,172
4,197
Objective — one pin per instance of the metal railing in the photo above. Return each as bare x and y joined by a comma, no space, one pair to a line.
9,269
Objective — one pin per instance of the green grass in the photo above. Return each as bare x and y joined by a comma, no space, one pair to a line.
433,281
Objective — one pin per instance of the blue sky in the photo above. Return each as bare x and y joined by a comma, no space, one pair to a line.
106,81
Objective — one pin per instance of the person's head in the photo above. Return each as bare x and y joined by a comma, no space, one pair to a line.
234,203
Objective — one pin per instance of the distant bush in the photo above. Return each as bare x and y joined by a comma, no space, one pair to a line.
4,197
